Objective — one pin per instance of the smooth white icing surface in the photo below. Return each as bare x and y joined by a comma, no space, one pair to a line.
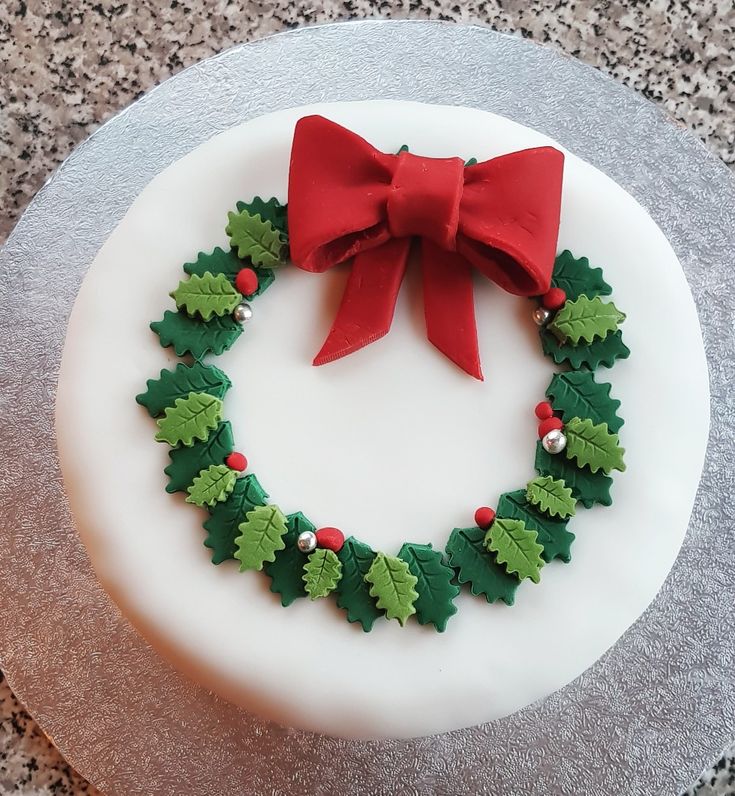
390,444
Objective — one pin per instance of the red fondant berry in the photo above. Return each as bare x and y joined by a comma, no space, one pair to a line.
484,517
331,538
236,461
549,424
554,299
246,281
543,410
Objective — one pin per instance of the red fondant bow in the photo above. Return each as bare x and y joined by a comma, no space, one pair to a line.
346,199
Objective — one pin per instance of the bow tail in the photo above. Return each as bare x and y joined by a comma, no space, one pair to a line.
449,306
369,301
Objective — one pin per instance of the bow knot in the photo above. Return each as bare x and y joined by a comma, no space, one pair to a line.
424,198
348,200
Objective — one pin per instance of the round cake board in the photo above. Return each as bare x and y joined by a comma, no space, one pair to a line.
656,707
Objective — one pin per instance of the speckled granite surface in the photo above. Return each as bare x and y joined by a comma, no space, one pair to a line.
68,66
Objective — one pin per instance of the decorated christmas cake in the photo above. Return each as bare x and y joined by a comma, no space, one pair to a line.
374,417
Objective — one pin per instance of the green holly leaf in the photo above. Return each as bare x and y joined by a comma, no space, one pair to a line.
261,536
576,278
435,603
593,446
212,485
322,572
353,591
189,419
474,565
551,495
552,533
178,383
196,336
286,572
223,525
271,210
255,238
392,585
600,352
206,295
588,487
471,162
229,264
585,319
187,463
577,394
516,547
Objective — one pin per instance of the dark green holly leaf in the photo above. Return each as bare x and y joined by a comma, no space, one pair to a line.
600,352
229,264
272,211
552,533
186,463
222,524
587,487
353,593
178,383
286,572
576,278
196,336
435,603
577,394
476,566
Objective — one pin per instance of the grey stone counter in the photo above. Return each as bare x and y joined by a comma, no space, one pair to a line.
66,67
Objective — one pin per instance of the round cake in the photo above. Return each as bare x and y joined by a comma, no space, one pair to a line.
393,445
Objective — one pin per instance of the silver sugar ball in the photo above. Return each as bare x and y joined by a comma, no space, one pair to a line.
541,316
555,441
306,541
242,313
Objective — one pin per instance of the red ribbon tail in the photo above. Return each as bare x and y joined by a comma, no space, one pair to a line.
449,307
369,301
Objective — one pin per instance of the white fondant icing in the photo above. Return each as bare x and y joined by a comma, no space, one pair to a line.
390,444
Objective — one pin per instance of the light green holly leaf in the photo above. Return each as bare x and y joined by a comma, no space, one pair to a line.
593,446
261,537
392,585
271,210
189,419
552,496
212,485
585,319
515,547
322,572
254,238
206,295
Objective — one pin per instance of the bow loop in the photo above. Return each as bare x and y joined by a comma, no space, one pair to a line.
348,200
424,198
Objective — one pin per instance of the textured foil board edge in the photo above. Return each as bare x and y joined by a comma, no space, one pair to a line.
644,719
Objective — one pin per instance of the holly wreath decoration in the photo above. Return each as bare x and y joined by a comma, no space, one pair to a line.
577,450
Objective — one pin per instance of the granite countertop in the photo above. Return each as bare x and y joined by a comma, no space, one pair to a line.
69,66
